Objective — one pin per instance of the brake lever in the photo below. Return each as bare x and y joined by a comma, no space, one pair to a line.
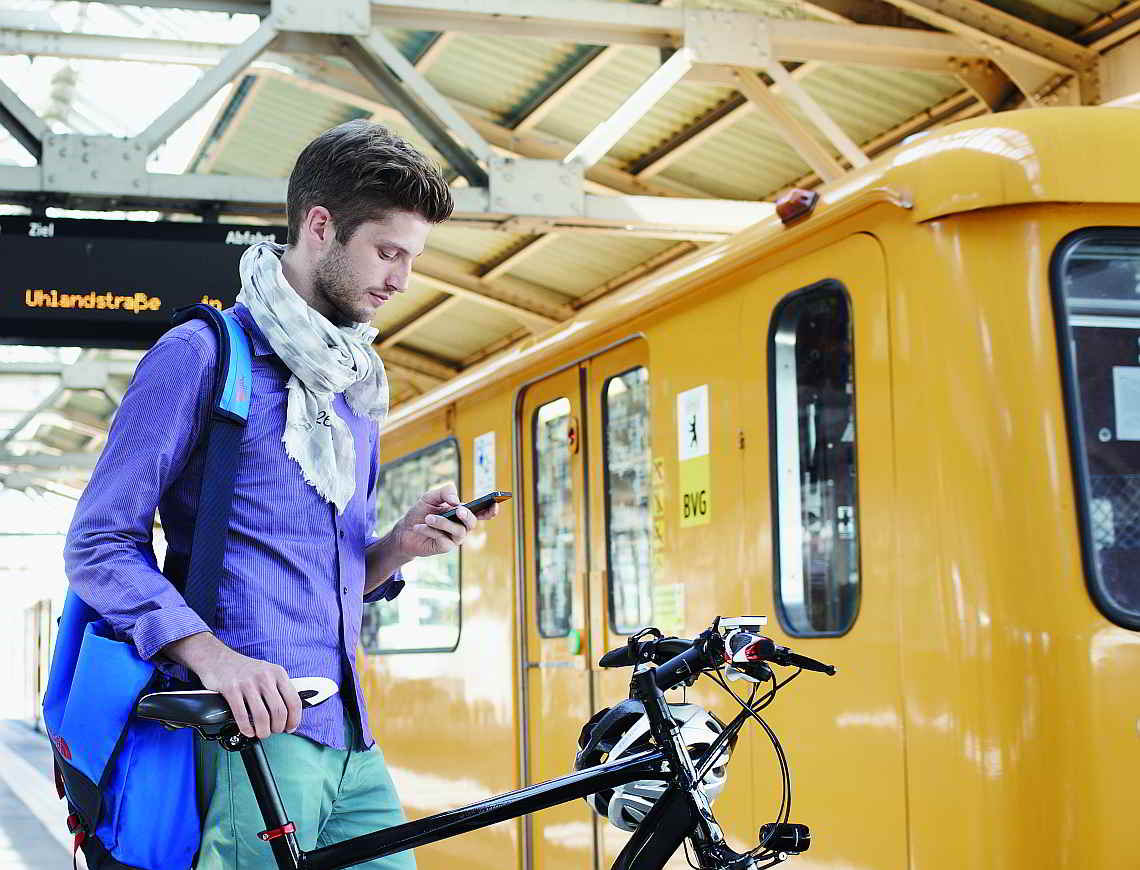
642,652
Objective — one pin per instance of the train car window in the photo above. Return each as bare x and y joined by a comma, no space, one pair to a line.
625,422
812,396
1096,286
425,617
554,507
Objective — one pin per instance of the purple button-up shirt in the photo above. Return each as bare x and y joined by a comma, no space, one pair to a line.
292,587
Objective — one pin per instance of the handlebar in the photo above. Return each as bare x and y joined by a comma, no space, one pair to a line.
765,650
679,660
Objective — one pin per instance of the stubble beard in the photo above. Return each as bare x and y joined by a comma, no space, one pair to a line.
335,284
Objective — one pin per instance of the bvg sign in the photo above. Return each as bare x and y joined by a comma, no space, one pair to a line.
693,453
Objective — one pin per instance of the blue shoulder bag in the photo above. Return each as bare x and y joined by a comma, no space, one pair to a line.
130,782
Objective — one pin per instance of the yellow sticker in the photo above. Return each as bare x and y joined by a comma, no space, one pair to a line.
657,544
669,607
696,493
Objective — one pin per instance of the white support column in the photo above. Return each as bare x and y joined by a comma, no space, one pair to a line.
438,104
796,135
46,402
22,122
603,137
236,60
817,115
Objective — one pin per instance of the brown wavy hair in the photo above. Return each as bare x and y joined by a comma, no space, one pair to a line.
358,171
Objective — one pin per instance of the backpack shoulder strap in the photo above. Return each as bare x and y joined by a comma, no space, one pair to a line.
229,409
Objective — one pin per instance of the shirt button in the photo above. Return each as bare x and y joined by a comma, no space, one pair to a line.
345,589
341,534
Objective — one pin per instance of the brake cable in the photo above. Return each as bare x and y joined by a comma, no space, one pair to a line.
785,772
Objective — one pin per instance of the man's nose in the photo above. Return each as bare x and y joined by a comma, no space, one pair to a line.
398,278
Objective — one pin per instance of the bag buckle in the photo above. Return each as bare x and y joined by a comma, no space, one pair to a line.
75,824
287,828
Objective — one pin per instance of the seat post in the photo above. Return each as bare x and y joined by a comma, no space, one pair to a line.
279,832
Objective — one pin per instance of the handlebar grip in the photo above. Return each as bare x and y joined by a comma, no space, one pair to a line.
679,668
787,657
663,650
616,658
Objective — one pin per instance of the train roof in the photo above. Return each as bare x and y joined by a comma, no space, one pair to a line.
1039,155
1067,155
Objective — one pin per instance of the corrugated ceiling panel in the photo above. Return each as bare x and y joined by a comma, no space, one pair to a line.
403,306
478,246
750,160
465,329
596,100
770,8
1060,16
495,74
685,103
410,42
744,161
576,264
272,128
399,391
281,119
865,100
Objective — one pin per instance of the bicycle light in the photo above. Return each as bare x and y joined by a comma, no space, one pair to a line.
792,839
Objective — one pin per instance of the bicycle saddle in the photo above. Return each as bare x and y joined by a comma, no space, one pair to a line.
209,712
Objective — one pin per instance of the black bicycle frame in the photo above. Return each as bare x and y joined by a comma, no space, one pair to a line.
681,812
366,847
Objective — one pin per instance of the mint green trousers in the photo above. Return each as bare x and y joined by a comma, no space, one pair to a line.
329,794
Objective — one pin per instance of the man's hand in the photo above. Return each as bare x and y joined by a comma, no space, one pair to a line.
423,532
260,695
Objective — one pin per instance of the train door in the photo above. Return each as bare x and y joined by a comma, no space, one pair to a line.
587,478
557,680
817,340
621,516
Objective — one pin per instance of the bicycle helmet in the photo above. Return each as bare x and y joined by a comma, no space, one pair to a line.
623,730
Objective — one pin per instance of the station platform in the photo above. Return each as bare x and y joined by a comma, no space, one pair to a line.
33,832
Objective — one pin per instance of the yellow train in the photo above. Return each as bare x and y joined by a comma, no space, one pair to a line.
906,427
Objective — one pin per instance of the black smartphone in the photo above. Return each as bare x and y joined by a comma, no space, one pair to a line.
481,503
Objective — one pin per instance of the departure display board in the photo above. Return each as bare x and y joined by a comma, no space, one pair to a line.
103,283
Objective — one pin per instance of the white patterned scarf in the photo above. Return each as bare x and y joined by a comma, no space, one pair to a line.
325,359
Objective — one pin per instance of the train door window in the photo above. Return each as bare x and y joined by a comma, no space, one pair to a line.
625,420
554,509
812,395
1096,285
425,616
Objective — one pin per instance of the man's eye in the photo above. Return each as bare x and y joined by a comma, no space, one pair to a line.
387,255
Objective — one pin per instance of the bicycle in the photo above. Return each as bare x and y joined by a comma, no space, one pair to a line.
731,649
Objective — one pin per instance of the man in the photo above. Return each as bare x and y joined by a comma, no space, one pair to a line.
300,557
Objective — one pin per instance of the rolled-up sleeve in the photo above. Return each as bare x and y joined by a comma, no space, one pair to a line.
387,590
109,555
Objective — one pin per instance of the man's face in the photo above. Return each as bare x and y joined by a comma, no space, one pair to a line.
355,279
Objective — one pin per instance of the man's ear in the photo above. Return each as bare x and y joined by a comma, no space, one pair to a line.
318,224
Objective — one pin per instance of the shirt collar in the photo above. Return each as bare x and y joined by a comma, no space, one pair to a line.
261,346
